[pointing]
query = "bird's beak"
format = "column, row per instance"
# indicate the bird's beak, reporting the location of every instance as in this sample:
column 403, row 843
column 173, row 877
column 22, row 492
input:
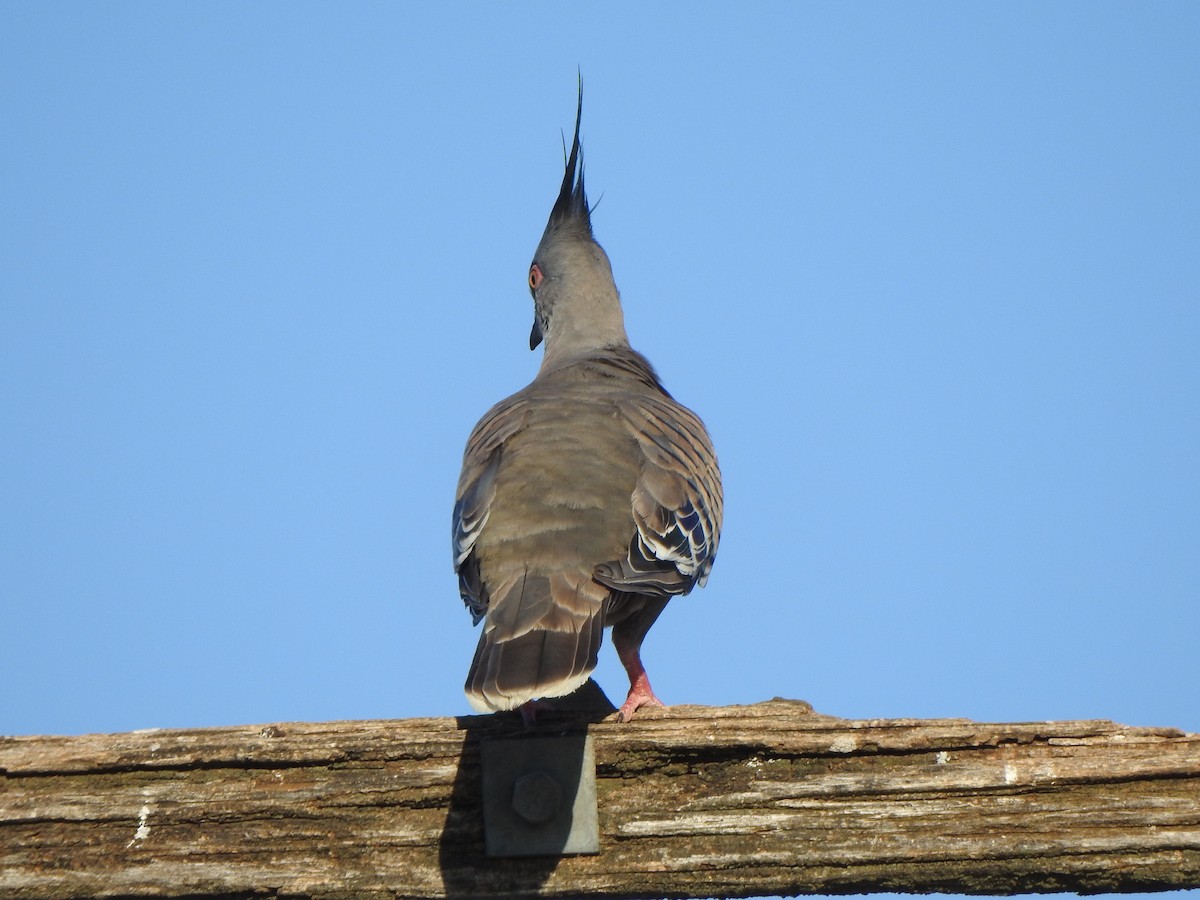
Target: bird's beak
column 535, row 335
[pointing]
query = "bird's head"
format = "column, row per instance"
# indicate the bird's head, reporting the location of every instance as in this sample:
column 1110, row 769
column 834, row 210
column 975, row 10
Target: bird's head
column 576, row 306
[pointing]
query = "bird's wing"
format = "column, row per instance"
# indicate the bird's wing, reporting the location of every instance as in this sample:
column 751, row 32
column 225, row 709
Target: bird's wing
column 676, row 502
column 476, row 489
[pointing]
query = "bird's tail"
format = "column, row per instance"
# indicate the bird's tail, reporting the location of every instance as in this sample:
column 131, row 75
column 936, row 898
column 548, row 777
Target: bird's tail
column 541, row 638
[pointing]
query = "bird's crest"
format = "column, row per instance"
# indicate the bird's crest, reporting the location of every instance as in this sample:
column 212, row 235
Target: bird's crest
column 571, row 212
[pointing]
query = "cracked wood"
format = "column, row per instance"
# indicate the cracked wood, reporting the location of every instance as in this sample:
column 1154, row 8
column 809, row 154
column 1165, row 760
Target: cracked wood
column 692, row 801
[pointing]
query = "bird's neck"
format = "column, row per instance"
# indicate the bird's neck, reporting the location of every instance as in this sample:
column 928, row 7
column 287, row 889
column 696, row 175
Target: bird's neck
column 585, row 327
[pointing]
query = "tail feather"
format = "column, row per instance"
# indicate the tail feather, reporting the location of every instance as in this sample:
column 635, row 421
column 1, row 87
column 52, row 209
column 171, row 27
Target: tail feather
column 541, row 638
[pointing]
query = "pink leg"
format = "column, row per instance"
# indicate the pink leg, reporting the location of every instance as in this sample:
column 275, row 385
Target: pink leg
column 529, row 713
column 640, row 692
column 627, row 638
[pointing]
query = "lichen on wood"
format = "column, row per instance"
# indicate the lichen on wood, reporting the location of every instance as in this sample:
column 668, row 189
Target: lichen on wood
column 754, row 800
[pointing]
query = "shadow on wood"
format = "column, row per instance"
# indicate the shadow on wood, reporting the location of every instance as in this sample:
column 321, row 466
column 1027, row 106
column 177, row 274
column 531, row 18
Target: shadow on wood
column 466, row 869
column 767, row 799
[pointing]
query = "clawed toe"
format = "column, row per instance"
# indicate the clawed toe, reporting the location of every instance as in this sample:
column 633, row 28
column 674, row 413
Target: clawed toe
column 639, row 696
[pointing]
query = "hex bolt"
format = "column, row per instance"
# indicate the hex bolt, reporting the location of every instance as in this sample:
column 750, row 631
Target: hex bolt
column 536, row 797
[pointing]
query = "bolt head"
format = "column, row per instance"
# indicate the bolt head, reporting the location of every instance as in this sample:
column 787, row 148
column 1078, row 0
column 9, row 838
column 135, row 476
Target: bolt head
column 536, row 797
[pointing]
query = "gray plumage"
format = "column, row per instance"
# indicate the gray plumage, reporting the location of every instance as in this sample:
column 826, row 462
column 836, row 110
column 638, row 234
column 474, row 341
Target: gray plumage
column 587, row 499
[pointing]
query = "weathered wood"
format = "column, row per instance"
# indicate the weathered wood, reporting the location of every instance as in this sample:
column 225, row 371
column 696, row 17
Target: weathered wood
column 693, row 802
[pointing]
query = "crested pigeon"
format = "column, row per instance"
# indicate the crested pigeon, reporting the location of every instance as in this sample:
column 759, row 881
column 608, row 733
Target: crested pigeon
column 589, row 498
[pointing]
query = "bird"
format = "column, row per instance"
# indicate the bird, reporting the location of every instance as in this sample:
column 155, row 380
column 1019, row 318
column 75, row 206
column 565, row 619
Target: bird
column 588, row 499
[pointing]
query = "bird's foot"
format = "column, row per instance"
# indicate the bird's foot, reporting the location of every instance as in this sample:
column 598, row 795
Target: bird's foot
column 640, row 694
column 528, row 711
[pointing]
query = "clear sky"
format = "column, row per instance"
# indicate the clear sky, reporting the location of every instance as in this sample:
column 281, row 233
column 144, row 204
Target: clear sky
column 930, row 273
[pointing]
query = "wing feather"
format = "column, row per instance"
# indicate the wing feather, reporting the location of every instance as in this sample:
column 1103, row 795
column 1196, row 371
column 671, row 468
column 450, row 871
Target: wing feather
column 676, row 502
column 476, row 490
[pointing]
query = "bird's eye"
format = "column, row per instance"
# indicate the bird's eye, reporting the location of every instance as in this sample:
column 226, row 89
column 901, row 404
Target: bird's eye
column 535, row 277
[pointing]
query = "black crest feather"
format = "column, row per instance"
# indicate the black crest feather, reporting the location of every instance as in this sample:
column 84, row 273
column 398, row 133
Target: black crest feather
column 571, row 207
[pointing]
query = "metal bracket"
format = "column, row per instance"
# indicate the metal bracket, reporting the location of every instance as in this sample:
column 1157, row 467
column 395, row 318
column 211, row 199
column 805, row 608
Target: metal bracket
column 539, row 796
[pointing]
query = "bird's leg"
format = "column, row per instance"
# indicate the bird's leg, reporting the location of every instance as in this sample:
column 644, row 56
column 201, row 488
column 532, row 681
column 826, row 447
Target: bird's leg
column 640, row 692
column 529, row 713
column 627, row 637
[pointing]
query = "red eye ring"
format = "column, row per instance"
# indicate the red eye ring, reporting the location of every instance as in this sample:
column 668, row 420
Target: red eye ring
column 535, row 277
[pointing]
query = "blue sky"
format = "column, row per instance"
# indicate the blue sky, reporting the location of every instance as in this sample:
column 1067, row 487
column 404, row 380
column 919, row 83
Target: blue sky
column 930, row 273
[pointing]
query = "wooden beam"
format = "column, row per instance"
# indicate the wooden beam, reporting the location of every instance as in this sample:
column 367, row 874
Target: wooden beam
column 693, row 802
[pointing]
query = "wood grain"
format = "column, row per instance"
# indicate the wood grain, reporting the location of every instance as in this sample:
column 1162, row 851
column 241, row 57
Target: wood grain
column 693, row 802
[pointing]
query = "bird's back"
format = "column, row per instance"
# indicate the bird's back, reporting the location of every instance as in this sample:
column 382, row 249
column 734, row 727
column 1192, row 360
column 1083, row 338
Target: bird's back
column 560, row 463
